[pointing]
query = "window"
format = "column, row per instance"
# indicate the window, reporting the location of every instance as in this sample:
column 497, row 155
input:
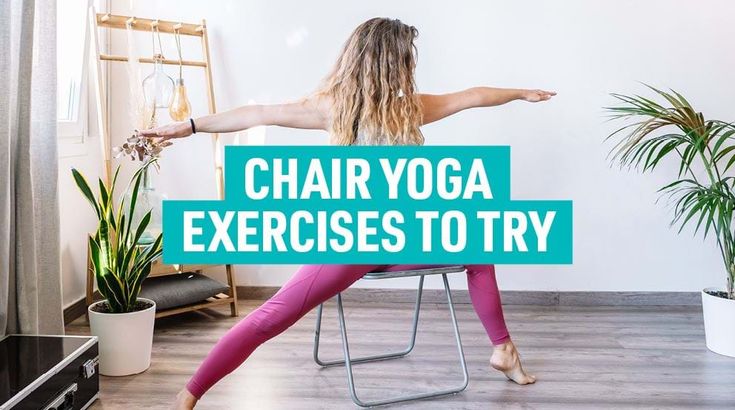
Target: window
column 72, row 44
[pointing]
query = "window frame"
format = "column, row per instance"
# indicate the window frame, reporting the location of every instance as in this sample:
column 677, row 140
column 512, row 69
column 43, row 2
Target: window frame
column 72, row 135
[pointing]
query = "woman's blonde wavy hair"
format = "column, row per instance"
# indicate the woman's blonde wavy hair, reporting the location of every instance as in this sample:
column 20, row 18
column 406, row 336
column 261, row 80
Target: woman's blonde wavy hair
column 372, row 88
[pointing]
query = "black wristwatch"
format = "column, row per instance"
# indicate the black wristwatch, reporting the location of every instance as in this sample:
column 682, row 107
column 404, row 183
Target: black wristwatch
column 193, row 127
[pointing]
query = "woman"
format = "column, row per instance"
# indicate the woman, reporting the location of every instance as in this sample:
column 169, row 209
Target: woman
column 369, row 98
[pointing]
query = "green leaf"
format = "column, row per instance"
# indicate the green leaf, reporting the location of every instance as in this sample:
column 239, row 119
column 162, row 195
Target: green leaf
column 86, row 191
column 151, row 252
column 122, row 244
column 133, row 199
column 137, row 283
column 117, row 300
column 104, row 197
column 721, row 154
column 141, row 227
column 114, row 182
column 94, row 253
column 130, row 255
column 729, row 163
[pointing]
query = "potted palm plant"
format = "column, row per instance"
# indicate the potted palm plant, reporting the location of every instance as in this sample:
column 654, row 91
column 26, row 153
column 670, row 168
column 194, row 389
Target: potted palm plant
column 702, row 193
column 122, row 321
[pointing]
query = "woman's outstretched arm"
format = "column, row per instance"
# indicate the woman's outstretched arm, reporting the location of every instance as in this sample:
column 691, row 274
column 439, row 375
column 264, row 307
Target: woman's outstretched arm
column 305, row 114
column 440, row 106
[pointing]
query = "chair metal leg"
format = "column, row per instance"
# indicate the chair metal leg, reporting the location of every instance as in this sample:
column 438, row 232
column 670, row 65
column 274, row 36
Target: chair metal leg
column 457, row 337
column 371, row 358
column 348, row 361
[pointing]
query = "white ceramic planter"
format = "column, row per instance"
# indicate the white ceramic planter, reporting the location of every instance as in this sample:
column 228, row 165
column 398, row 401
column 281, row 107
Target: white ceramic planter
column 719, row 323
column 125, row 339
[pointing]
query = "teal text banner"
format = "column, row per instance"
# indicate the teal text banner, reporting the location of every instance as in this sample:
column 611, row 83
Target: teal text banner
column 367, row 205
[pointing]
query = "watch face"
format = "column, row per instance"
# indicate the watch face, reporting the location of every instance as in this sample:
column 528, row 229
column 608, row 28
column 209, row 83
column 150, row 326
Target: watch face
column 24, row 359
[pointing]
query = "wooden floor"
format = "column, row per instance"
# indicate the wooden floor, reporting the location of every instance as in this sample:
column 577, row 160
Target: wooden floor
column 584, row 357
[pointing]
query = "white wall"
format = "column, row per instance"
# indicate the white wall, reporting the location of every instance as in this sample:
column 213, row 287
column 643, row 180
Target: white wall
column 77, row 218
column 273, row 51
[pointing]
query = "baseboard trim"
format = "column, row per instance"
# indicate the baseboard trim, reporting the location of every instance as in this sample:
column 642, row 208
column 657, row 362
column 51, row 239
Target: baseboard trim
column 75, row 310
column 461, row 296
column 79, row 308
column 510, row 297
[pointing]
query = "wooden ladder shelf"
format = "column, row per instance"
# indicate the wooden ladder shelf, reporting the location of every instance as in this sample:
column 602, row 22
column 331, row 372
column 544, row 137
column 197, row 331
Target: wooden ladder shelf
column 110, row 21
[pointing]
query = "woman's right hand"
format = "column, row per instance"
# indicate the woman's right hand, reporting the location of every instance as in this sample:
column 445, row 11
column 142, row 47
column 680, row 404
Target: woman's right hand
column 181, row 129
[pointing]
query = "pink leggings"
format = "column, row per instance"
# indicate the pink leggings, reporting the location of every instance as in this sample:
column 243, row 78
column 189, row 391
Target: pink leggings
column 312, row 285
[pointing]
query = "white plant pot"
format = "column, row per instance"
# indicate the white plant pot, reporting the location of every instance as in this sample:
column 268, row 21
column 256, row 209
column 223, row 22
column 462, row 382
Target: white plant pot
column 125, row 339
column 719, row 323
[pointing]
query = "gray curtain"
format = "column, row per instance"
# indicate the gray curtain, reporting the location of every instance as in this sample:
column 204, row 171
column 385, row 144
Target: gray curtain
column 30, row 282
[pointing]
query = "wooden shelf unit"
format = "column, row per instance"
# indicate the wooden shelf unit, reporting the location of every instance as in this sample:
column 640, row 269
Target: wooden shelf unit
column 110, row 21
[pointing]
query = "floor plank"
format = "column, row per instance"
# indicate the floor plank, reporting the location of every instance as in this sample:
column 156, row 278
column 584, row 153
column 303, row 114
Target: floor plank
column 585, row 358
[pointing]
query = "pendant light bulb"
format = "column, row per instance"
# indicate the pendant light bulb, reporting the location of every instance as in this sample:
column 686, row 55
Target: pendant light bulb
column 180, row 108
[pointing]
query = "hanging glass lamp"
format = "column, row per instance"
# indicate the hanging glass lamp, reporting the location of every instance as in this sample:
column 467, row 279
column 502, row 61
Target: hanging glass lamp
column 158, row 87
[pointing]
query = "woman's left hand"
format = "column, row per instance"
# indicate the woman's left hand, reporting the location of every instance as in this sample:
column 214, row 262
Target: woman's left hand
column 181, row 129
column 536, row 95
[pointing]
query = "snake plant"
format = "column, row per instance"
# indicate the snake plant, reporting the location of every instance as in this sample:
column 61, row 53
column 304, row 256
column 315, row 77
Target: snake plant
column 704, row 151
column 120, row 263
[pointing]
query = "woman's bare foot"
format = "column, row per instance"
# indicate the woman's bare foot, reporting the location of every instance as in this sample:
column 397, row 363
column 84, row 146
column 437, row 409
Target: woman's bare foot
column 506, row 359
column 184, row 401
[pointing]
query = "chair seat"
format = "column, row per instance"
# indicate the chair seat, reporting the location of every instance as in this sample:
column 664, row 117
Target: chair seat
column 415, row 272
